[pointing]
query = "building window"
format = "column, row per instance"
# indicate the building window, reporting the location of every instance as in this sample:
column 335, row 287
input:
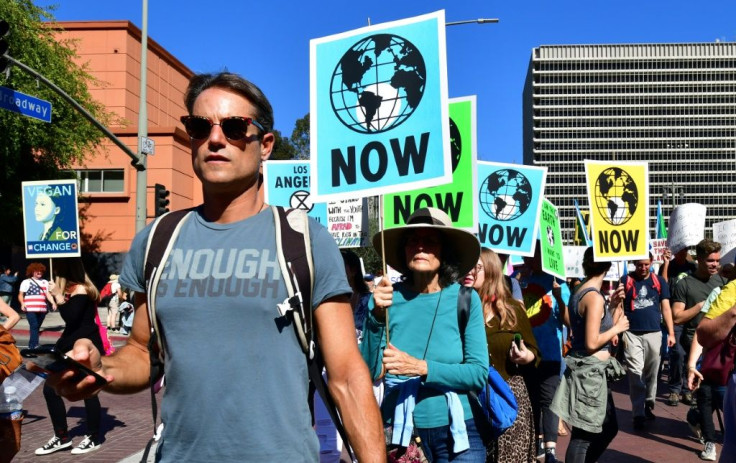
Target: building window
column 101, row 181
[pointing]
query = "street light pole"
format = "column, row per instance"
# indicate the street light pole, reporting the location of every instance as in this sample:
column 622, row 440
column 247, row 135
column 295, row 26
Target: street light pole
column 473, row 21
column 141, row 188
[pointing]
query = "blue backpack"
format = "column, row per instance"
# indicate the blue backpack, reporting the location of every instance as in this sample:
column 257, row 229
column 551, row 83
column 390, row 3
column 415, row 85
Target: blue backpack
column 497, row 400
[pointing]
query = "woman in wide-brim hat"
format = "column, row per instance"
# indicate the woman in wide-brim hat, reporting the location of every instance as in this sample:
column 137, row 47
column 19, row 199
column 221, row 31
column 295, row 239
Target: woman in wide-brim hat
column 432, row 362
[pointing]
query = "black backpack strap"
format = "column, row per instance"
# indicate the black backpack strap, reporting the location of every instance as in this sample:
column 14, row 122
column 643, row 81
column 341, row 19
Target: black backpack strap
column 295, row 258
column 463, row 309
column 160, row 241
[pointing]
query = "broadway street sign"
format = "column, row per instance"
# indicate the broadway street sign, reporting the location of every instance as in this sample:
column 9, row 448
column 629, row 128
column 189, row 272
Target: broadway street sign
column 26, row 105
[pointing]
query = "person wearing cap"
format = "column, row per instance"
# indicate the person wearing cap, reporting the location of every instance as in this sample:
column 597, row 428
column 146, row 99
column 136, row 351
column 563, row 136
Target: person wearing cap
column 430, row 362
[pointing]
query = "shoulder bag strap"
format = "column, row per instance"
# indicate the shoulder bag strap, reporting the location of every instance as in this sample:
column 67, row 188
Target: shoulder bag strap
column 160, row 242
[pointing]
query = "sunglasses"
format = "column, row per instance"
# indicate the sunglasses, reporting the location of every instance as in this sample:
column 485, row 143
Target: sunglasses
column 234, row 127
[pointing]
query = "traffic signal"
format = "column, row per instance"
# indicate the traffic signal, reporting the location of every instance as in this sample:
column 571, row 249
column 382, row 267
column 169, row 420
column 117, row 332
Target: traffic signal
column 161, row 195
column 4, row 45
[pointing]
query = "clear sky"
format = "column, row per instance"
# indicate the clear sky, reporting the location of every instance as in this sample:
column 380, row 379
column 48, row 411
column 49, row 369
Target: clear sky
column 268, row 42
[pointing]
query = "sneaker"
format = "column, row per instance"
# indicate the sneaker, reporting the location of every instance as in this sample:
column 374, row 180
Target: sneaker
column 688, row 399
column 673, row 399
column 87, row 445
column 648, row 413
column 709, row 452
column 54, row 445
column 549, row 457
column 540, row 449
column 639, row 422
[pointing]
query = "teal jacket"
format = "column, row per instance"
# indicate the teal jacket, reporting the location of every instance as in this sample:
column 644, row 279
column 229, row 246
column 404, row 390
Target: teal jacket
column 451, row 363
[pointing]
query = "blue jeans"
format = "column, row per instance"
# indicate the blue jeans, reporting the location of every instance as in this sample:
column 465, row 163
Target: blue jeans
column 35, row 320
column 677, row 375
column 437, row 445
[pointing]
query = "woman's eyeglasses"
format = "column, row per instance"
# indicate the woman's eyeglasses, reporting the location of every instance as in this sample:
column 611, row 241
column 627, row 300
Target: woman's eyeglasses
column 234, row 127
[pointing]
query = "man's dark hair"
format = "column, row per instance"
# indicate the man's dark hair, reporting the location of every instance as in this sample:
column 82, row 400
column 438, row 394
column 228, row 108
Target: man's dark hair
column 707, row 247
column 236, row 84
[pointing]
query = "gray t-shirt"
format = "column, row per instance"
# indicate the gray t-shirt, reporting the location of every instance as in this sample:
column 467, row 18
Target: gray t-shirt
column 236, row 378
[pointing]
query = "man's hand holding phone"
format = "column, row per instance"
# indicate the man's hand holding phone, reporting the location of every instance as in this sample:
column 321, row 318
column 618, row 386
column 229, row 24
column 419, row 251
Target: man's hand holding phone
column 76, row 375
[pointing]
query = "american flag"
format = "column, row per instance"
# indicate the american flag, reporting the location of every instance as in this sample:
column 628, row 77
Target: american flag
column 35, row 297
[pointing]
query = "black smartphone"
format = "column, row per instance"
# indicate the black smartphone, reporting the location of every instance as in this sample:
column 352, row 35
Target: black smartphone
column 517, row 340
column 54, row 361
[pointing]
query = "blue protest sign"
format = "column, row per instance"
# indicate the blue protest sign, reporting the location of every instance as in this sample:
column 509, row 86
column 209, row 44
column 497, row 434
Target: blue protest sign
column 26, row 105
column 50, row 218
column 379, row 109
column 509, row 196
column 287, row 184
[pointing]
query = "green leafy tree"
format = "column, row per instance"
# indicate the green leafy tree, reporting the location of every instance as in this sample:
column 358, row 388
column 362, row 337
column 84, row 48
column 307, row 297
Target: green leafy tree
column 282, row 149
column 32, row 149
column 300, row 138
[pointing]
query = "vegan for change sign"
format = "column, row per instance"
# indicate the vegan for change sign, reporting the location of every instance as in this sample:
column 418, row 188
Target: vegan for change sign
column 509, row 197
column 50, row 218
column 378, row 105
column 457, row 199
column 550, row 238
column 618, row 194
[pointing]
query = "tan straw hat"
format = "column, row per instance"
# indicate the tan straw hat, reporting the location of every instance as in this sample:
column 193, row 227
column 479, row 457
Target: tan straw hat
column 464, row 245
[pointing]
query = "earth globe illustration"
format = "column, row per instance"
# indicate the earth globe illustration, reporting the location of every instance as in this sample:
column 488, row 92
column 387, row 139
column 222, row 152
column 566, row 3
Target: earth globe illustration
column 616, row 196
column 456, row 144
column 505, row 194
column 378, row 83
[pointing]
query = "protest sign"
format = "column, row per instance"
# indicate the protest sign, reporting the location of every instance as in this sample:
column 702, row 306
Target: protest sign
column 287, row 184
column 658, row 247
column 725, row 233
column 574, row 261
column 618, row 194
column 550, row 238
column 50, row 218
column 509, row 196
column 347, row 221
column 686, row 227
column 379, row 109
column 617, row 270
column 457, row 199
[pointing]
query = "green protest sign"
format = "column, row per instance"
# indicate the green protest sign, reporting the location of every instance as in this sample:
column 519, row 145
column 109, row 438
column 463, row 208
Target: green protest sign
column 456, row 198
column 550, row 237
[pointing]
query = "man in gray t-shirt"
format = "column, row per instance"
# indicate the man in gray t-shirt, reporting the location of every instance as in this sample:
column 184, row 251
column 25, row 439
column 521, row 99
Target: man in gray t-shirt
column 236, row 377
